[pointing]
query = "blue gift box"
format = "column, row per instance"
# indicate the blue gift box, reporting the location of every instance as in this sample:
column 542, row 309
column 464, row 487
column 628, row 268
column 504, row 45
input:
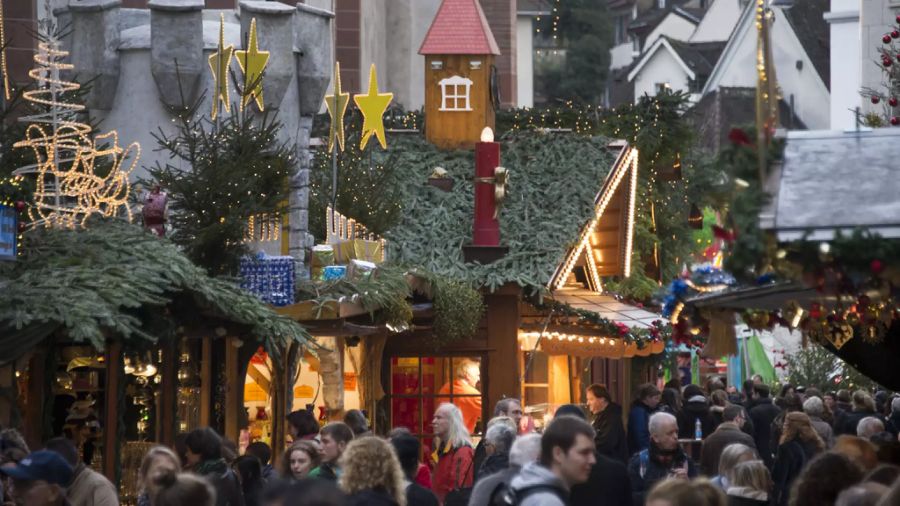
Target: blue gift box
column 332, row 272
column 271, row 278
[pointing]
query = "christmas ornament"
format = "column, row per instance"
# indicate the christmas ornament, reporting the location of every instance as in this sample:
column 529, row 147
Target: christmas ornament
column 20, row 206
column 895, row 34
column 886, row 39
column 875, row 99
column 876, row 266
column 154, row 211
column 337, row 107
column 886, row 62
column 253, row 63
column 372, row 106
column 892, row 101
column 895, row 120
column 218, row 65
column 897, row 19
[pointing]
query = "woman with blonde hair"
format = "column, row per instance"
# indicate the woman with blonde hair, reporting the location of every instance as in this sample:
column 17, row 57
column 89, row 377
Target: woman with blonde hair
column 299, row 459
column 798, row 445
column 159, row 459
column 372, row 474
column 732, row 455
column 750, row 484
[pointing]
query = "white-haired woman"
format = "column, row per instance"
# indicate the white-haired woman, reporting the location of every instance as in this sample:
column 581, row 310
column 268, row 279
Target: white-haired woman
column 453, row 469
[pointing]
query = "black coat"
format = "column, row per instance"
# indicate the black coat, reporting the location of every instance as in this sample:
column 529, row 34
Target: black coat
column 734, row 500
column 696, row 408
column 643, row 478
column 371, row 498
column 418, row 495
column 726, row 434
column 847, row 424
column 608, row 480
column 791, row 458
column 763, row 414
column 610, row 433
column 492, row 464
column 893, row 424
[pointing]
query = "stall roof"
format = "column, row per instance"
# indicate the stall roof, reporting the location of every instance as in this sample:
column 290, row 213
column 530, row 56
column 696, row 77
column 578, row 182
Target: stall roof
column 606, row 306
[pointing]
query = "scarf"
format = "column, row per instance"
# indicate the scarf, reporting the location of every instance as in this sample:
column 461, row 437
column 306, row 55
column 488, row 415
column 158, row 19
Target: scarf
column 667, row 458
column 212, row 466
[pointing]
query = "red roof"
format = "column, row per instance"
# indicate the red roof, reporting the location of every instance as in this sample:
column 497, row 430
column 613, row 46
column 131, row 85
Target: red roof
column 459, row 27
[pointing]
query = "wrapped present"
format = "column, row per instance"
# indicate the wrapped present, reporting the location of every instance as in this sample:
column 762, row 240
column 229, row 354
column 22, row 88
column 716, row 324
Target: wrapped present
column 358, row 249
column 333, row 272
column 360, row 269
column 322, row 256
column 271, row 278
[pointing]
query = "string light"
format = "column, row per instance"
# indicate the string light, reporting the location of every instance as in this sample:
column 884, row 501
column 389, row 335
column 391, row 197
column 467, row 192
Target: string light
column 3, row 54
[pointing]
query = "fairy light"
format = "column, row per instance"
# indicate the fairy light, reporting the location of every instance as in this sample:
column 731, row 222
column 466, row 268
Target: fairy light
column 3, row 54
column 676, row 313
column 629, row 231
column 705, row 288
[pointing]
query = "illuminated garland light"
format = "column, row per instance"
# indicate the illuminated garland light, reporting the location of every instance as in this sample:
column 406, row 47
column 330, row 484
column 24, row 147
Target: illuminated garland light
column 3, row 69
column 629, row 231
column 705, row 289
column 558, row 336
column 269, row 226
column 67, row 189
column 676, row 313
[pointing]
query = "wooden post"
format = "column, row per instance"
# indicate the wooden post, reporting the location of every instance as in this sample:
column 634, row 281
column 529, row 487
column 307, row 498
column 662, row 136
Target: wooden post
column 168, row 399
column 232, row 383
column 111, row 411
column 34, row 408
column 7, row 402
column 206, row 381
column 504, row 373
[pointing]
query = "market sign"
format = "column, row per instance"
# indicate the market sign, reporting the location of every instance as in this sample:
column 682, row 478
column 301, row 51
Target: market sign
column 8, row 232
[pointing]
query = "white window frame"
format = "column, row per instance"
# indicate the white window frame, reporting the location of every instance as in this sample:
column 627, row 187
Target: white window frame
column 450, row 94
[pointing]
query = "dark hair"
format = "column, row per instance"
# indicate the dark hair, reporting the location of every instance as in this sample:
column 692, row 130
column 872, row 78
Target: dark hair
column 407, row 447
column 570, row 410
column 886, row 474
column 785, row 389
column 646, row 391
column 204, row 442
column 304, row 423
column 357, row 422
column 823, row 479
column 503, row 405
column 674, row 383
column 761, row 390
column 561, row 433
column 65, row 448
column 250, row 471
column 313, row 492
column 731, row 412
column 691, row 391
column 671, row 398
column 600, row 391
column 183, row 489
column 791, row 402
column 748, row 387
column 813, row 392
column 843, row 395
column 339, row 431
column 180, row 448
column 260, row 450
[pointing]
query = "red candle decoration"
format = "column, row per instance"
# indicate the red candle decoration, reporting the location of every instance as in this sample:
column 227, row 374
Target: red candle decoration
column 486, row 228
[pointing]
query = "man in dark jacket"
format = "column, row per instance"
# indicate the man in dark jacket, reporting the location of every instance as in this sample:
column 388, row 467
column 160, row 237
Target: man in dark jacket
column 763, row 414
column 842, row 406
column 695, row 407
column 607, row 423
column 893, row 422
column 663, row 459
column 497, row 442
column 639, row 417
column 863, row 406
column 728, row 433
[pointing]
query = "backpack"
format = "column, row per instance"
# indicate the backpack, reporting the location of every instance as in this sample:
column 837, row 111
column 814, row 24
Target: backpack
column 503, row 495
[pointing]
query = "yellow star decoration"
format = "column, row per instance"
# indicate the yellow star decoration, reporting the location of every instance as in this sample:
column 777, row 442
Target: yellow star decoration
column 218, row 64
column 337, row 107
column 372, row 107
column 252, row 62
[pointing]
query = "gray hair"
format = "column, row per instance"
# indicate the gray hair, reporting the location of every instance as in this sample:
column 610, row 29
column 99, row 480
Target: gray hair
column 501, row 436
column 869, row 426
column 733, row 455
column 895, row 405
column 503, row 406
column 525, row 450
column 458, row 434
column 657, row 420
column 503, row 420
column 814, row 407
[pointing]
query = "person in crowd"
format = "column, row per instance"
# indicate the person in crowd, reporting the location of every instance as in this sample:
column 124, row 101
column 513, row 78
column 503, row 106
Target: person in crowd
column 180, row 449
column 663, row 459
column 275, row 491
column 608, row 478
column 892, row 424
column 157, row 460
column 815, row 410
column 728, row 433
column 423, row 473
column 248, row 470
column 467, row 376
column 12, row 450
column 38, row 479
column 863, row 406
column 842, row 406
column 371, row 474
column 882, row 406
column 798, row 445
column 407, row 448
column 263, row 453
column 335, row 438
column 670, row 401
column 88, row 487
column 498, row 441
column 763, row 414
column 481, row 450
column 183, row 489
column 204, row 456
column 868, row 427
column 674, row 492
column 747, row 395
column 892, row 497
column 356, row 420
column 827, row 416
column 864, row 494
column 302, row 457
column 718, row 400
column 823, row 479
column 610, row 436
column 886, row 474
column 860, row 451
column 453, row 469
column 887, row 448
column 639, row 417
column 712, row 495
column 789, row 403
column 732, row 455
column 302, row 424
column 512, row 408
column 786, row 390
column 695, row 407
column 567, row 455
column 490, row 490
column 750, row 484
column 314, row 493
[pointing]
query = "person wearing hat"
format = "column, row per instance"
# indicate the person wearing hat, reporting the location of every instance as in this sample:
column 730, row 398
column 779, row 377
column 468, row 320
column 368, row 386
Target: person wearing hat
column 40, row 479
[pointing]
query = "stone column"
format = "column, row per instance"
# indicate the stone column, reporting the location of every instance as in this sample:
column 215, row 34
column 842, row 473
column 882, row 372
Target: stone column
column 275, row 35
column 176, row 54
column 95, row 49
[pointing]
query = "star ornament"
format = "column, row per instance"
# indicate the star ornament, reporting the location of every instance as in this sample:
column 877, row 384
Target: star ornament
column 337, row 107
column 252, row 62
column 218, row 64
column 372, row 106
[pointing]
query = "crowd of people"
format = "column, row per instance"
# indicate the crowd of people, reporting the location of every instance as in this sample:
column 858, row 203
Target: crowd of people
column 691, row 446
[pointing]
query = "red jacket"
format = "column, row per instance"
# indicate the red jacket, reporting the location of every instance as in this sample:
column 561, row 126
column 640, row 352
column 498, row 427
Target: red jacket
column 453, row 470
column 423, row 476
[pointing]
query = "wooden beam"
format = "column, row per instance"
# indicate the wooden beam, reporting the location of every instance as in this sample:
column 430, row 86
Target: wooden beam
column 168, row 400
column 503, row 378
column 232, row 384
column 34, row 408
column 260, row 378
column 206, row 381
column 111, row 411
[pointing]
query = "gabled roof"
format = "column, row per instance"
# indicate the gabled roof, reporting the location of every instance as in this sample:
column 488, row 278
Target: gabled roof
column 808, row 20
column 459, row 27
column 697, row 59
column 646, row 22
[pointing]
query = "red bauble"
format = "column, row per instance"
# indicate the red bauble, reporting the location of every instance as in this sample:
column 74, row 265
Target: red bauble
column 895, row 34
column 876, row 266
column 20, row 205
column 886, row 62
column 898, row 19
column 886, row 39
column 895, row 120
column 875, row 99
column 892, row 101
column 898, row 56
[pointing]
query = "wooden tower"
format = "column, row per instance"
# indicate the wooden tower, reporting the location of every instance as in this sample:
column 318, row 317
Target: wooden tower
column 460, row 80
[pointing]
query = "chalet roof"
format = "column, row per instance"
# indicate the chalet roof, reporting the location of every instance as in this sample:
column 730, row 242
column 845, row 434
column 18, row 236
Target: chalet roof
column 647, row 21
column 534, row 8
column 697, row 58
column 809, row 24
column 832, row 181
column 459, row 27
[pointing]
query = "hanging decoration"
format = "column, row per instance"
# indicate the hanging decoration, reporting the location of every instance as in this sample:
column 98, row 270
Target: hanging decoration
column 695, row 219
column 766, row 84
column 218, row 65
column 888, row 98
column 3, row 69
column 336, row 104
column 253, row 63
column 372, row 106
column 69, row 187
